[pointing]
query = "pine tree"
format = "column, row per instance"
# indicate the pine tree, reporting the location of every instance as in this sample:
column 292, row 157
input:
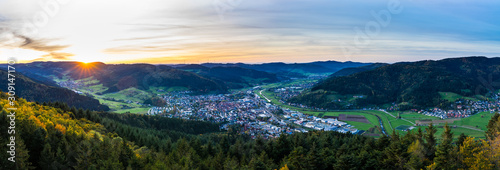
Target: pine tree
column 22, row 155
column 47, row 159
column 445, row 158
column 430, row 145
column 417, row 155
column 126, row 154
column 461, row 139
column 493, row 127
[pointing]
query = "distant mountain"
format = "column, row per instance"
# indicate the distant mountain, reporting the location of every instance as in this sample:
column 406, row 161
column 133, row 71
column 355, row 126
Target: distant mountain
column 123, row 76
column 283, row 70
column 192, row 67
column 142, row 76
column 352, row 70
column 33, row 90
column 237, row 77
column 233, row 76
column 416, row 83
column 336, row 65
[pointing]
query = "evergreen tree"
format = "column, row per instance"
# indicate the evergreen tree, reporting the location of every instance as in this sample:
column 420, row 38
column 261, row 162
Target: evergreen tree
column 47, row 160
column 493, row 127
column 445, row 152
column 417, row 156
column 461, row 139
column 430, row 145
column 22, row 155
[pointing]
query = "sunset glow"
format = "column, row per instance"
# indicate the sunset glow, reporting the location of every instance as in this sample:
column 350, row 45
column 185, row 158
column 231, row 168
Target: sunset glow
column 200, row 31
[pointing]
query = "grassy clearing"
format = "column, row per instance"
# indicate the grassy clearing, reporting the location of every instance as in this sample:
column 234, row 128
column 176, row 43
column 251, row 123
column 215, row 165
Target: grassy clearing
column 371, row 118
column 88, row 81
column 131, row 94
column 359, row 125
column 95, row 89
column 479, row 121
column 398, row 122
column 450, row 96
column 127, row 97
column 134, row 110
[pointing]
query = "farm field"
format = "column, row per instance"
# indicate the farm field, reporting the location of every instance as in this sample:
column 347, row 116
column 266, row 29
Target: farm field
column 478, row 121
column 115, row 101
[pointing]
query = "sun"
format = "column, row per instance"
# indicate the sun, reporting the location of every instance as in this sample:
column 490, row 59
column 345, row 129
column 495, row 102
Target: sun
column 86, row 69
column 86, row 61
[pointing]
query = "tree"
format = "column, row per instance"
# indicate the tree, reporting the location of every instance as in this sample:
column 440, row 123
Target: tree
column 22, row 156
column 445, row 158
column 296, row 158
column 396, row 153
column 476, row 154
column 48, row 157
column 493, row 127
column 461, row 139
column 430, row 146
column 417, row 155
column 284, row 167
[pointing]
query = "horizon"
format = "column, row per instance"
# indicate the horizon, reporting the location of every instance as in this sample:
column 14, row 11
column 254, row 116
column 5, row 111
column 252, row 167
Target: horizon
column 232, row 31
column 254, row 63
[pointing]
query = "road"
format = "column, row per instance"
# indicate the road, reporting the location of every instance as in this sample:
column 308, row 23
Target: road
column 471, row 128
column 260, row 92
column 396, row 118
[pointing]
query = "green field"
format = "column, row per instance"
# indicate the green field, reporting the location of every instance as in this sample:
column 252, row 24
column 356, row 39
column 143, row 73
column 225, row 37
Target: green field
column 141, row 110
column 115, row 101
column 359, row 125
column 130, row 94
column 478, row 121
column 450, row 96
column 402, row 127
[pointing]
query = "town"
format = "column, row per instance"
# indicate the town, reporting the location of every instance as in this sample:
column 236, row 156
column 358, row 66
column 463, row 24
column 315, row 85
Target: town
column 246, row 110
column 463, row 108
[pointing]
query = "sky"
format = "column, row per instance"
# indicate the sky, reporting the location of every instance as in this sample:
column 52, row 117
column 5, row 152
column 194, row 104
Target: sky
column 249, row 31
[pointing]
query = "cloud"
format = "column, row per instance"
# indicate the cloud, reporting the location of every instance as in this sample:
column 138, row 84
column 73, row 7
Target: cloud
column 257, row 30
column 40, row 44
column 58, row 55
column 11, row 39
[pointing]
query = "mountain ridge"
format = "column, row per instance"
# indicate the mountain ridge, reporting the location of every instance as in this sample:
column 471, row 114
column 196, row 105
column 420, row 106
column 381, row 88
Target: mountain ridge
column 417, row 83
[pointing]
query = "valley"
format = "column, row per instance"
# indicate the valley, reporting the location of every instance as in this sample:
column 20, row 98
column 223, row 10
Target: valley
column 256, row 103
column 212, row 112
column 260, row 100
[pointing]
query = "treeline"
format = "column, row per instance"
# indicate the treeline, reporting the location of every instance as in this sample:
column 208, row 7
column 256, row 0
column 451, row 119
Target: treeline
column 54, row 136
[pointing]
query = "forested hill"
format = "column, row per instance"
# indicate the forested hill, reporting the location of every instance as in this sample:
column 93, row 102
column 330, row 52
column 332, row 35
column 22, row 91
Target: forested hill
column 354, row 70
column 417, row 83
column 143, row 76
column 33, row 90
column 57, row 137
column 123, row 76
column 233, row 77
column 285, row 70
